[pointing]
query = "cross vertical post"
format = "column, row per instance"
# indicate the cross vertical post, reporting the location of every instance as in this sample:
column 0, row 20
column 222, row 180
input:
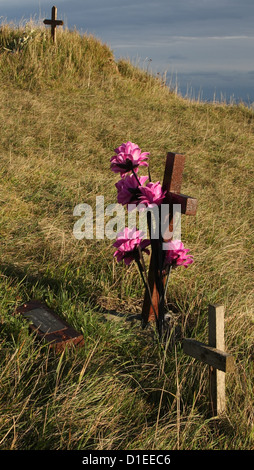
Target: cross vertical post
column 216, row 376
column 54, row 23
column 214, row 355
column 172, row 184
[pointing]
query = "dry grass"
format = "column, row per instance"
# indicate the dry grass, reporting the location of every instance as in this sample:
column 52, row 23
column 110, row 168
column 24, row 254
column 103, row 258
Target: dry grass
column 63, row 111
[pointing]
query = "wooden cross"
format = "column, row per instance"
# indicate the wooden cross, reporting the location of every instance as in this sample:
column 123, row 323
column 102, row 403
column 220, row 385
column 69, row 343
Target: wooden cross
column 54, row 23
column 214, row 355
column 172, row 184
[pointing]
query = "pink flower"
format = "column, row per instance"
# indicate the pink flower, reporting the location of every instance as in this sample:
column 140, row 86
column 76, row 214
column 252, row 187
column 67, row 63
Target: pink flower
column 127, row 245
column 176, row 254
column 126, row 148
column 152, row 194
column 128, row 157
column 128, row 189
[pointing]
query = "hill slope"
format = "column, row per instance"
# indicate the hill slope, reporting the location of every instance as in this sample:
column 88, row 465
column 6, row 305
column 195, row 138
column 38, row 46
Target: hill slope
column 63, row 111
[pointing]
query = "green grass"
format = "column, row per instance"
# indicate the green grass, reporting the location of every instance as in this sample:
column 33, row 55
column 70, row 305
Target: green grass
column 64, row 108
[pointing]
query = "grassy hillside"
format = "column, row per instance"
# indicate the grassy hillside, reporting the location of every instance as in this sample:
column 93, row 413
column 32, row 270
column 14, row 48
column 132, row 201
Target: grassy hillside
column 64, row 108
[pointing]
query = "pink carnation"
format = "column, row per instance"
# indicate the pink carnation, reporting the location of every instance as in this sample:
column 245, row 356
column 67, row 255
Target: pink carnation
column 127, row 245
column 176, row 254
column 152, row 194
column 126, row 148
column 128, row 189
column 128, row 158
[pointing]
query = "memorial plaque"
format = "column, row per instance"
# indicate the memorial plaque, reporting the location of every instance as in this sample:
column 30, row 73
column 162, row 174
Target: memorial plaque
column 49, row 326
column 44, row 321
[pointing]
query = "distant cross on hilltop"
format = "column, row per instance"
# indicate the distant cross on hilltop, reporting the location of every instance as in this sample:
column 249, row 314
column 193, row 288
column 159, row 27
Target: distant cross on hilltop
column 54, row 23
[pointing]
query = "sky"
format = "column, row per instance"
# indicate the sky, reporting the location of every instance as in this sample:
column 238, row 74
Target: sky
column 207, row 46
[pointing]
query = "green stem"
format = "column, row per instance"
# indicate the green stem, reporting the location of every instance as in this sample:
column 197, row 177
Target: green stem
column 136, row 177
column 167, row 281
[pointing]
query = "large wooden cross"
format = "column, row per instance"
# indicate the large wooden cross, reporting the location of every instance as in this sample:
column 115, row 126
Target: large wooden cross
column 54, row 23
column 214, row 355
column 172, row 184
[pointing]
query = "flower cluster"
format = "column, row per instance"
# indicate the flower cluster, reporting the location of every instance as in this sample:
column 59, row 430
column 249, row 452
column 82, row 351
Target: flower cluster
column 134, row 189
column 127, row 245
column 176, row 254
column 151, row 194
column 131, row 188
column 128, row 158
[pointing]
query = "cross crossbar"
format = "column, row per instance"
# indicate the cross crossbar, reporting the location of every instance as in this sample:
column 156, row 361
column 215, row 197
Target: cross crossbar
column 211, row 356
column 54, row 22
column 188, row 204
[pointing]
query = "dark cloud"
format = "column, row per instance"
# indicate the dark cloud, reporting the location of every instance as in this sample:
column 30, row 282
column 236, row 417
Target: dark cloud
column 177, row 57
column 144, row 17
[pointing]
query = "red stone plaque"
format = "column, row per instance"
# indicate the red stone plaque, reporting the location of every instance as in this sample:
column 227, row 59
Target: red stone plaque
column 49, row 326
